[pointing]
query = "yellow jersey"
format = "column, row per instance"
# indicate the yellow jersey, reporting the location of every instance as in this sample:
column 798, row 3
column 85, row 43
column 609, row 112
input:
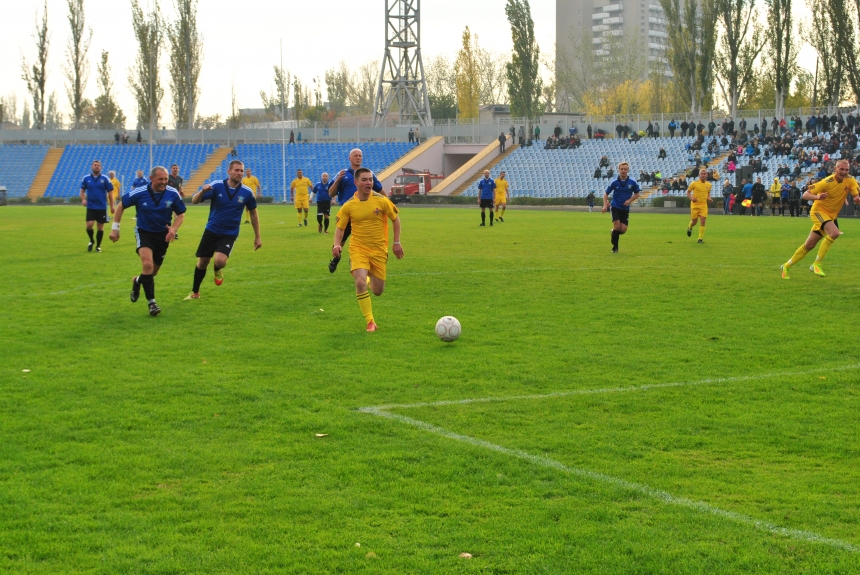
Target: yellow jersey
column 502, row 188
column 252, row 183
column 701, row 191
column 836, row 194
column 117, row 189
column 369, row 220
column 302, row 187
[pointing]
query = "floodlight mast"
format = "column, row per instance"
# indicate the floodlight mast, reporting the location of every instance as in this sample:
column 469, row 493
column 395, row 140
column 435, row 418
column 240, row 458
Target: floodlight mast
column 401, row 77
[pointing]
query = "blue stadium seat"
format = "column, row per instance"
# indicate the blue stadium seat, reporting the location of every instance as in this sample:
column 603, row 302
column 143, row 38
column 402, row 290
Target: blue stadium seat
column 19, row 165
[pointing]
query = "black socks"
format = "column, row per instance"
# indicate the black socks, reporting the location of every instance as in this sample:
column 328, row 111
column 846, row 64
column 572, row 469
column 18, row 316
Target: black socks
column 148, row 283
column 90, row 233
column 99, row 235
column 615, row 236
column 198, row 278
column 326, row 225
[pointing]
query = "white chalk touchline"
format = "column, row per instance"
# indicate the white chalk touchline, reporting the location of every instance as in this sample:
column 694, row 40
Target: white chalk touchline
column 610, row 389
column 658, row 494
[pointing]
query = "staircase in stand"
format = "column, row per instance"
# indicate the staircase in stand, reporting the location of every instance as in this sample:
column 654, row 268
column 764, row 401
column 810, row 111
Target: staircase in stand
column 45, row 173
column 480, row 173
column 205, row 170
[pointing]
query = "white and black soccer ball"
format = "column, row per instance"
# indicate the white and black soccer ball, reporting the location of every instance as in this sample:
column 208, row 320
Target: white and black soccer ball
column 448, row 328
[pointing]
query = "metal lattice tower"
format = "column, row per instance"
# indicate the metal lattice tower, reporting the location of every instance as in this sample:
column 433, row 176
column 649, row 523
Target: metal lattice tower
column 402, row 89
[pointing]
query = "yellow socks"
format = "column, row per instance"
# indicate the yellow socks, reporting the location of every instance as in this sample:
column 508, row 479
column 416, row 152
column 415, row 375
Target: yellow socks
column 692, row 223
column 503, row 209
column 300, row 216
column 823, row 248
column 798, row 255
column 365, row 305
column 701, row 232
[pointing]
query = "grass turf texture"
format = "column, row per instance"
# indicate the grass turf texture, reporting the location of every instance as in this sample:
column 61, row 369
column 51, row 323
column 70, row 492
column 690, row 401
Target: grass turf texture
column 187, row 442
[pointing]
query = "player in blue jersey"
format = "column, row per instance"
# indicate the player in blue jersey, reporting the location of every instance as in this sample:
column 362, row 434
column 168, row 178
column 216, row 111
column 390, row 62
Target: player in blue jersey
column 344, row 188
column 624, row 191
column 155, row 204
column 139, row 181
column 95, row 196
column 323, row 200
column 229, row 199
column 486, row 194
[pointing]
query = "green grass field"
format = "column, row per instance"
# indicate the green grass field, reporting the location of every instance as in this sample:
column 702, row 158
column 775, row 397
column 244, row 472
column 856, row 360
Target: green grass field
column 674, row 408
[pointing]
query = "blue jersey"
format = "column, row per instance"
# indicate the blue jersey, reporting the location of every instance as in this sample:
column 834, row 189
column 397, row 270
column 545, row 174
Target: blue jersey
column 621, row 192
column 321, row 190
column 487, row 189
column 139, row 183
column 748, row 191
column 97, row 188
column 154, row 211
column 346, row 187
column 228, row 204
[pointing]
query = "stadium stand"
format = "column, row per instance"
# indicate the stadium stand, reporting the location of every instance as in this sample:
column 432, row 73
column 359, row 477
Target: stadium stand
column 313, row 159
column 19, row 165
column 125, row 161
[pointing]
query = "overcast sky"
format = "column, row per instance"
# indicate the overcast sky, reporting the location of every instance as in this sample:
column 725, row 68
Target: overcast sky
column 241, row 41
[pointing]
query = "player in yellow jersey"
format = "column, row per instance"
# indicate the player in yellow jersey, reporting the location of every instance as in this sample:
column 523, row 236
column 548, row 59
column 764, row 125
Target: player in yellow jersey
column 699, row 193
column 116, row 193
column 300, row 188
column 253, row 183
column 503, row 195
column 828, row 196
column 368, row 213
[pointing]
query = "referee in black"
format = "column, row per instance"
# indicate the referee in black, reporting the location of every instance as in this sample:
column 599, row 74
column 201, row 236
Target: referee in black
column 156, row 203
column 323, row 201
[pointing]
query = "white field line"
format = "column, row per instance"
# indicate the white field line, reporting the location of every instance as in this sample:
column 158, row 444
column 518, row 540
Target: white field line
column 701, row 507
column 643, row 489
column 709, row 381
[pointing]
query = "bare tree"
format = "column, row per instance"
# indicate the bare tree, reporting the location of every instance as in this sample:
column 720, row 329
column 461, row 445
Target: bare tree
column 492, row 84
column 741, row 42
column 143, row 76
column 783, row 50
column 441, row 88
column 36, row 76
column 364, row 82
column 9, row 108
column 107, row 111
column 186, row 60
column 53, row 116
column 820, row 36
column 691, row 27
column 276, row 104
column 338, row 83
column 77, row 69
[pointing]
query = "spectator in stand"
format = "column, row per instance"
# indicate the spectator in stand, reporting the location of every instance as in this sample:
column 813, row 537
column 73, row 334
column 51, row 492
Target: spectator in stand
column 522, row 135
column 728, row 193
column 502, row 140
column 557, row 130
column 672, row 126
column 711, row 127
column 116, row 138
column 411, row 136
column 684, row 126
column 700, row 129
column 604, row 162
column 661, row 155
column 730, row 167
column 588, row 131
column 537, row 132
column 139, row 137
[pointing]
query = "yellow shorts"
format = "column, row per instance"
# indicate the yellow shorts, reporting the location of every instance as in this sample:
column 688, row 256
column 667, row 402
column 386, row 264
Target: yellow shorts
column 818, row 221
column 500, row 200
column 302, row 202
column 375, row 263
column 698, row 212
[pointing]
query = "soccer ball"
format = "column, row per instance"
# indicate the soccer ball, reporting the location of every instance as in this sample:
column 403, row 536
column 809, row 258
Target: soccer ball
column 448, row 328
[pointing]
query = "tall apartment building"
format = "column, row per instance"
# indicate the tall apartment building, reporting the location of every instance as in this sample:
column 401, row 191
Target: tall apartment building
column 608, row 19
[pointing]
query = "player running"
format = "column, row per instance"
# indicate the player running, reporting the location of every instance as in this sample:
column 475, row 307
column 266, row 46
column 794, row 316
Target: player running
column 368, row 214
column 229, row 199
column 155, row 204
column 253, row 183
column 344, row 188
column 117, row 190
column 300, row 188
column 699, row 194
column 503, row 195
column 95, row 197
column 829, row 195
column 486, row 195
column 624, row 192
column 323, row 201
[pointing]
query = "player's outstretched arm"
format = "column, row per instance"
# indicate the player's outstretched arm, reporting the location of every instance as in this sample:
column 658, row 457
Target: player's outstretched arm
column 255, row 223
column 117, row 218
column 332, row 189
column 398, row 249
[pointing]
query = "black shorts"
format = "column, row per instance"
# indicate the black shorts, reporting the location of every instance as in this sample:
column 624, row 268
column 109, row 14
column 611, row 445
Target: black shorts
column 98, row 216
column 212, row 242
column 486, row 204
column 620, row 215
column 154, row 241
column 324, row 208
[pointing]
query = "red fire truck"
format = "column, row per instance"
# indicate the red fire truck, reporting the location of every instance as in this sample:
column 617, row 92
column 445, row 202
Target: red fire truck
column 414, row 182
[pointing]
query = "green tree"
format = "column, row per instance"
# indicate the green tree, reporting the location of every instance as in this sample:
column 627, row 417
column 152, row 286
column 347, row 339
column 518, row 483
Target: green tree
column 143, row 76
column 783, row 50
column 831, row 69
column 524, row 83
column 741, row 41
column 36, row 76
column 844, row 16
column 276, row 104
column 186, row 60
column 467, row 76
column 441, row 88
column 77, row 68
column 338, row 83
column 691, row 27
column 107, row 111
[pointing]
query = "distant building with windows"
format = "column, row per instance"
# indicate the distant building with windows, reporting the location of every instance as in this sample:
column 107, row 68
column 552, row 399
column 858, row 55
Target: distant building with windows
column 606, row 20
